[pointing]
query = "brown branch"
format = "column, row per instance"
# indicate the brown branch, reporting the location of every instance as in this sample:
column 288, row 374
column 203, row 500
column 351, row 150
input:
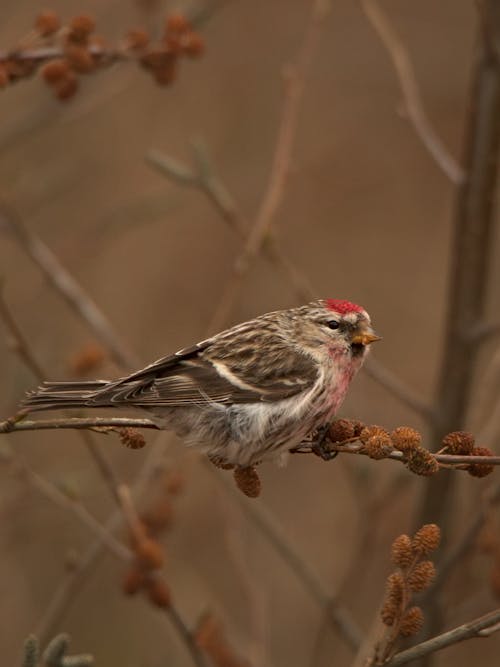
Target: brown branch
column 396, row 455
column 466, row 543
column 121, row 493
column 65, row 593
column 472, row 243
column 411, row 94
column 394, row 386
column 63, row 501
column 18, row 342
column 118, row 549
column 338, row 617
column 65, row 285
column 97, row 423
column 106, row 56
column 483, row 626
column 296, row 76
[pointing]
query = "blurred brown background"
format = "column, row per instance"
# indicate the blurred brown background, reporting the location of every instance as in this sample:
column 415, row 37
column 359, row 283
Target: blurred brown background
column 366, row 216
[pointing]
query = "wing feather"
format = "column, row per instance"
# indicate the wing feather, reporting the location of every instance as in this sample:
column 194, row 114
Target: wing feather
column 250, row 365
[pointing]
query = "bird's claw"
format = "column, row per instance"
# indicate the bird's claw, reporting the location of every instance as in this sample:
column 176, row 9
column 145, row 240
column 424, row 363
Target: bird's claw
column 320, row 447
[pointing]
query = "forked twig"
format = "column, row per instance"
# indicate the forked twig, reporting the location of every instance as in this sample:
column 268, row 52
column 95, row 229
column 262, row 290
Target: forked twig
column 411, row 94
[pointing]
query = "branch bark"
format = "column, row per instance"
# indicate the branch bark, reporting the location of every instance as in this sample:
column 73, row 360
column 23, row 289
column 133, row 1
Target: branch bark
column 469, row 271
column 480, row 627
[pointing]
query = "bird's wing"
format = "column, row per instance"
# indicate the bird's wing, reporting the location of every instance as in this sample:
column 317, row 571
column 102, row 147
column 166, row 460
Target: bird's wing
column 241, row 368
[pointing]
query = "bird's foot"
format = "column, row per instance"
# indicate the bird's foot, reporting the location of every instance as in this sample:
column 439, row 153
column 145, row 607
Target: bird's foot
column 320, row 446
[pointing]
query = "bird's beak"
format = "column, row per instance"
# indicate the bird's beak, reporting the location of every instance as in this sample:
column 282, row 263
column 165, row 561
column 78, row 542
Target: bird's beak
column 365, row 337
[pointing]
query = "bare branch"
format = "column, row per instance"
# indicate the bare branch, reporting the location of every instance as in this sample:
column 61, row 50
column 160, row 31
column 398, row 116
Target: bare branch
column 480, row 627
column 18, row 342
column 296, row 76
column 469, row 273
column 394, row 386
column 97, row 423
column 445, row 459
column 411, row 94
column 64, row 283
column 334, row 612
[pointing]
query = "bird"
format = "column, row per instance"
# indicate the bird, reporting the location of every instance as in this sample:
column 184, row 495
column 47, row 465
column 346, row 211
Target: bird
column 248, row 394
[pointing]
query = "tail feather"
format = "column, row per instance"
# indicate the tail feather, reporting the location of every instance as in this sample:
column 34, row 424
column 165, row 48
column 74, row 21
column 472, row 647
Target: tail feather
column 60, row 395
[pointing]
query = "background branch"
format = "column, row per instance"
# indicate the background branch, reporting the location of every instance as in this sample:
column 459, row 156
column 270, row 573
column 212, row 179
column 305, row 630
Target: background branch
column 468, row 280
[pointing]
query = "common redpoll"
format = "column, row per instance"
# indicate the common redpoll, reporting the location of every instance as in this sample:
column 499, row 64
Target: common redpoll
column 247, row 394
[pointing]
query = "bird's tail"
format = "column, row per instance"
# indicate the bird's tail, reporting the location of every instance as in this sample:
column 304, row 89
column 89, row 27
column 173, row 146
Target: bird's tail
column 60, row 395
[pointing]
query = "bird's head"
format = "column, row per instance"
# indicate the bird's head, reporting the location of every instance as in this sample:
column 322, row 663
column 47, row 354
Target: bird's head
column 342, row 327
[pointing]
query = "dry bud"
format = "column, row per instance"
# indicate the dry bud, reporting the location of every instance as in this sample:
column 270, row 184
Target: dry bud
column 341, row 430
column 80, row 58
column 133, row 580
column 157, row 59
column 421, row 462
column 166, row 75
column 389, row 611
column 17, row 68
column 158, row 592
column 426, row 540
column 495, row 578
column 150, row 554
column 193, row 44
column 4, row 76
column 137, row 39
column 209, row 636
column 55, row 71
column 91, row 355
column 412, row 622
column 369, row 431
column 177, row 23
column 158, row 517
column 406, row 439
column 47, row 23
column 488, row 540
column 248, row 481
column 480, row 469
column 80, row 28
column 131, row 438
column 175, row 483
column 378, row 446
column 401, row 553
column 357, row 426
column 422, row 576
column 66, row 88
column 459, row 442
column 395, row 587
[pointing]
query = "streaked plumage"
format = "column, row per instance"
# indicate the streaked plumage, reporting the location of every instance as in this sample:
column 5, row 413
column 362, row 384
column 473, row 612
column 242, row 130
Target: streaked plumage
column 246, row 394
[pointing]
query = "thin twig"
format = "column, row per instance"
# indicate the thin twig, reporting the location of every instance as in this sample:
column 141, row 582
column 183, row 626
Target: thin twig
column 296, row 77
column 114, row 546
column 396, row 455
column 18, row 341
column 122, row 495
column 394, row 386
column 65, row 593
column 483, row 626
column 205, row 179
column 65, row 285
column 62, row 500
column 473, row 233
column 336, row 614
column 109, row 423
column 468, row 540
column 411, row 94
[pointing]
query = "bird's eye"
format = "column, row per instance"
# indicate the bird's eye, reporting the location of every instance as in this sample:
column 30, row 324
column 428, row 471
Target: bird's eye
column 333, row 324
